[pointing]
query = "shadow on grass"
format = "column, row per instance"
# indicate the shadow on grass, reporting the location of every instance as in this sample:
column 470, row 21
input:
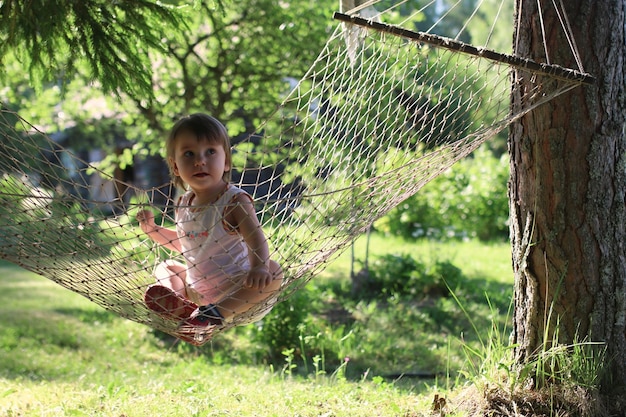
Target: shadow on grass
column 44, row 344
column 42, row 326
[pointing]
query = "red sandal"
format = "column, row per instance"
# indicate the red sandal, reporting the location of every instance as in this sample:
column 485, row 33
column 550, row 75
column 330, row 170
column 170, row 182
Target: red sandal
column 167, row 303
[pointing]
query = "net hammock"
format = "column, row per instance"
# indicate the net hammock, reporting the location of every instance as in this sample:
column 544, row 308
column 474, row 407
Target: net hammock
column 383, row 110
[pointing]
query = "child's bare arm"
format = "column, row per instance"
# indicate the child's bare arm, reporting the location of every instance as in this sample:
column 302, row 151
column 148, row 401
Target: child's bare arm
column 161, row 235
column 243, row 216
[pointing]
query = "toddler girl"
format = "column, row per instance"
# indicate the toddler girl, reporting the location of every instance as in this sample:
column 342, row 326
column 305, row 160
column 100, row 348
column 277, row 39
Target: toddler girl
column 227, row 268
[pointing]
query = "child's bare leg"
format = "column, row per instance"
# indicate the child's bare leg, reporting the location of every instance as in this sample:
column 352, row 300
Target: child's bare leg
column 246, row 298
column 171, row 274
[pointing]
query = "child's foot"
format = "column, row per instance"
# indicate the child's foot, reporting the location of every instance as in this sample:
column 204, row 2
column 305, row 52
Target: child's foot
column 167, row 303
column 198, row 328
column 205, row 316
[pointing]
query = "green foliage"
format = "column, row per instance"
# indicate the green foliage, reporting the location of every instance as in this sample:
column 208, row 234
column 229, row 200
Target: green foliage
column 52, row 39
column 240, row 62
column 233, row 62
column 467, row 201
column 281, row 329
column 401, row 275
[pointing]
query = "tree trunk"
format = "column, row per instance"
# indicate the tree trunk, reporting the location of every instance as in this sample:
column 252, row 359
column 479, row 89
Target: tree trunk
column 568, row 185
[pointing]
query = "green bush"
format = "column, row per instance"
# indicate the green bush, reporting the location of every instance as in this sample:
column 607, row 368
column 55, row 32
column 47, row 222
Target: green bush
column 400, row 275
column 468, row 201
column 281, row 329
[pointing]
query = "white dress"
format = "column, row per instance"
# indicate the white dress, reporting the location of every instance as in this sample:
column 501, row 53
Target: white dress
column 215, row 253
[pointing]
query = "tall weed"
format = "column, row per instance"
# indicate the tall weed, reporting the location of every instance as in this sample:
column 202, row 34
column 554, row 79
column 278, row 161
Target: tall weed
column 559, row 376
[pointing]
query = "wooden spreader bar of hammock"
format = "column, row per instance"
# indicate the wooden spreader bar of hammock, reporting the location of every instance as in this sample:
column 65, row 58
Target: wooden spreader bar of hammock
column 454, row 45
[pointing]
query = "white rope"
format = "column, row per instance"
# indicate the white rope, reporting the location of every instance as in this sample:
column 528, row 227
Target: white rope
column 567, row 29
column 543, row 32
column 469, row 19
column 492, row 27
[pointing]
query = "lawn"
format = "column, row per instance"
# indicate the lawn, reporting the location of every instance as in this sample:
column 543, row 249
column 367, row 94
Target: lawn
column 61, row 355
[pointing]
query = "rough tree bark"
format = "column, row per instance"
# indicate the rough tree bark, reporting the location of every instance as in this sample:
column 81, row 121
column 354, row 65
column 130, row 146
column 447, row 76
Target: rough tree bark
column 568, row 185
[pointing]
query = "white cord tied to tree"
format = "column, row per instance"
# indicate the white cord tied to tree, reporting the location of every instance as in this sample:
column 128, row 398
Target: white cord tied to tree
column 381, row 112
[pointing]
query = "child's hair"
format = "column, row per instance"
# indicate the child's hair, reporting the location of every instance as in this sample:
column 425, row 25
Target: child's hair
column 202, row 126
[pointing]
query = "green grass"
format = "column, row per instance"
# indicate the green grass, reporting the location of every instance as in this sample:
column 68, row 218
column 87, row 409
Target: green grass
column 425, row 336
column 61, row 355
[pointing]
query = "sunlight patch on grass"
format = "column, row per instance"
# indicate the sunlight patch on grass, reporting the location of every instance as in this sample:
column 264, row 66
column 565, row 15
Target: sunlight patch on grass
column 472, row 256
column 201, row 389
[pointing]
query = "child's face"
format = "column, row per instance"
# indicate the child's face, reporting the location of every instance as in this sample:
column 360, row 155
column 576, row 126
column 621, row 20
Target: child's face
column 200, row 163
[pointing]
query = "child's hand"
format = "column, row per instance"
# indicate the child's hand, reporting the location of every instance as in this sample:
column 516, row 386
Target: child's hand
column 146, row 221
column 259, row 277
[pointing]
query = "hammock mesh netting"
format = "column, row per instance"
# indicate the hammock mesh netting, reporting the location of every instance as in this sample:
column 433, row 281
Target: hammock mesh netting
column 382, row 111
